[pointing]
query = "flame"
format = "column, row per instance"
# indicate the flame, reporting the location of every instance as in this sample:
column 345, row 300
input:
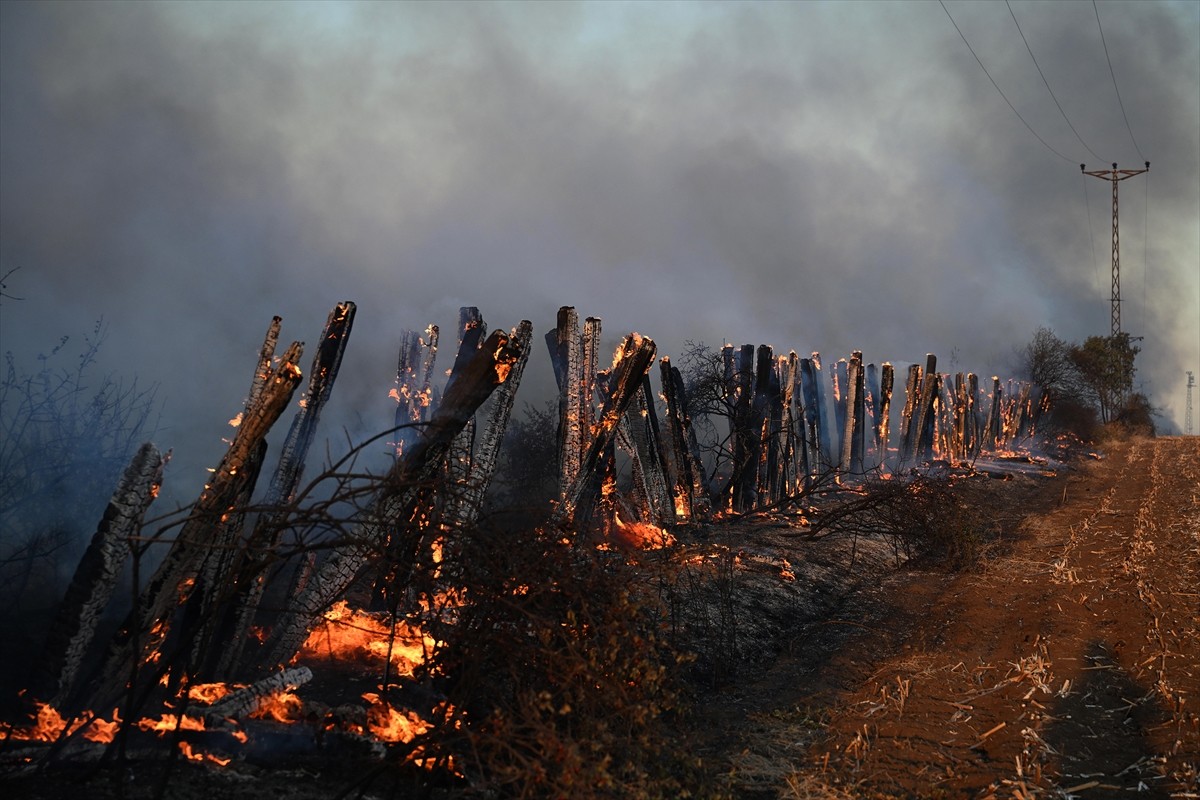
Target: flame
column 208, row 693
column 236, row 421
column 198, row 755
column 282, row 706
column 389, row 724
column 49, row 726
column 170, row 722
column 351, row 634
column 642, row 535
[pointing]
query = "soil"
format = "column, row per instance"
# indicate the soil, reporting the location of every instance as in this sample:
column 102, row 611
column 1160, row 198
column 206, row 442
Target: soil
column 1066, row 663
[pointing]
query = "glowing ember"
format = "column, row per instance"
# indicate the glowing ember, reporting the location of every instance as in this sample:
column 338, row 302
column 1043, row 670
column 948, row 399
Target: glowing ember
column 170, row 722
column 208, row 693
column 198, row 755
column 236, row 421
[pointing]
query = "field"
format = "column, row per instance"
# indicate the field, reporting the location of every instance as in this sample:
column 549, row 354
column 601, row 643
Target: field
column 1067, row 663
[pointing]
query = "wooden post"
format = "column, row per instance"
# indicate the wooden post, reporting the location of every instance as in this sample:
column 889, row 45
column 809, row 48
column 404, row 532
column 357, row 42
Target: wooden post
column 634, row 359
column 887, row 377
column 95, row 579
column 908, row 417
column 387, row 531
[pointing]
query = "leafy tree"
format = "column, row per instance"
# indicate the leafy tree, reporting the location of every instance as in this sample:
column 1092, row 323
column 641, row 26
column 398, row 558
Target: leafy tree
column 1047, row 363
column 1105, row 368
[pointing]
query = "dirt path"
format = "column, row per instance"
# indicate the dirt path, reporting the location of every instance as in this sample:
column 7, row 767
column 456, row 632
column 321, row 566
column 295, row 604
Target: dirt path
column 1068, row 666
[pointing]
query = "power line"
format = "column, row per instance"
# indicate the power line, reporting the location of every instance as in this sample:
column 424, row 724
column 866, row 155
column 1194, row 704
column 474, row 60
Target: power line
column 1114, row 81
column 1048, row 89
column 998, row 89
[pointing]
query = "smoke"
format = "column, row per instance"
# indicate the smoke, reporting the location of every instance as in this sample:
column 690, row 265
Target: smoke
column 809, row 176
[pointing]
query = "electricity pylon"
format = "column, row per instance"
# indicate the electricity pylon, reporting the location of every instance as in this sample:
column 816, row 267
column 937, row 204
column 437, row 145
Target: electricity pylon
column 1115, row 175
column 1187, row 414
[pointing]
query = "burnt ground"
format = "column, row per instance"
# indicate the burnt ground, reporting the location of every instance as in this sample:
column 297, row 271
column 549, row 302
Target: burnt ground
column 1066, row 662
column 1058, row 656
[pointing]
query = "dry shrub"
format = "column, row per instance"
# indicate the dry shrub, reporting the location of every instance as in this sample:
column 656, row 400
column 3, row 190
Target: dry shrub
column 923, row 516
column 558, row 667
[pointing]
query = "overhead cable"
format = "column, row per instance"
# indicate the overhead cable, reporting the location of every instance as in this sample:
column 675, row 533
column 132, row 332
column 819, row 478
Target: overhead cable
column 998, row 89
column 1114, row 82
column 1048, row 89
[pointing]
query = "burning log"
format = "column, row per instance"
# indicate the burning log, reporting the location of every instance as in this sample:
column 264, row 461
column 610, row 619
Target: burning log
column 820, row 454
column 633, row 361
column 471, row 330
column 689, row 481
column 976, row 435
column 413, row 392
column 854, row 428
column 908, row 417
column 839, row 376
column 947, row 429
column 566, row 357
column 386, row 528
column 883, row 419
column 245, row 702
column 873, row 455
column 991, row 434
column 483, row 465
column 250, row 573
column 793, row 454
column 641, row 422
column 148, row 625
column 745, row 438
column 96, row 577
column 262, row 372
column 768, row 420
column 921, row 441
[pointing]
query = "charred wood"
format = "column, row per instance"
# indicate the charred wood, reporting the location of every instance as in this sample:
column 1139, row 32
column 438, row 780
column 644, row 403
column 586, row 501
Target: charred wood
column 148, row 624
column 839, row 376
column 246, row 701
column 250, row 573
column 390, row 530
column 483, row 466
column 745, row 437
column 908, row 417
column 633, row 361
column 641, row 420
column 886, row 379
column 96, row 577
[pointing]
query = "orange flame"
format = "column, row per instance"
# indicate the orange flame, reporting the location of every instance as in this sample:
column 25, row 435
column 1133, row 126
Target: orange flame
column 49, row 726
column 351, row 634
column 642, row 535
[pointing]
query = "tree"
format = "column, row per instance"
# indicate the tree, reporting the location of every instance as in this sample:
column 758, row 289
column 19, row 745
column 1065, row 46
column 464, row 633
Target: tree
column 1047, row 363
column 1105, row 369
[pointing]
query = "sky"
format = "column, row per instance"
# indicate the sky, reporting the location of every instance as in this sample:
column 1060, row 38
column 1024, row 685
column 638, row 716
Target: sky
column 813, row 176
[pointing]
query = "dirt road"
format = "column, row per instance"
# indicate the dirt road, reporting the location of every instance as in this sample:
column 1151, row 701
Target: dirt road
column 1068, row 665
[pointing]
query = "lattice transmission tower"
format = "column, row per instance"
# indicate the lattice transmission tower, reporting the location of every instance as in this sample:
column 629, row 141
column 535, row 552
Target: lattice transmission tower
column 1115, row 176
column 1187, row 414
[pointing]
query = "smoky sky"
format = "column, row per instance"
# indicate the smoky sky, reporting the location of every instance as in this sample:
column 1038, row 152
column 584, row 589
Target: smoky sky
column 811, row 176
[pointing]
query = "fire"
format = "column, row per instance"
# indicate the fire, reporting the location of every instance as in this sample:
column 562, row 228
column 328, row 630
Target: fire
column 49, row 726
column 389, row 724
column 236, row 421
column 170, row 722
column 280, row 706
column 350, row 634
column 642, row 535
column 196, row 755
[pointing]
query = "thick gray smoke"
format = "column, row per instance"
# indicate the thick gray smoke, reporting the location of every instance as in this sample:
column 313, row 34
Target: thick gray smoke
column 811, row 176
